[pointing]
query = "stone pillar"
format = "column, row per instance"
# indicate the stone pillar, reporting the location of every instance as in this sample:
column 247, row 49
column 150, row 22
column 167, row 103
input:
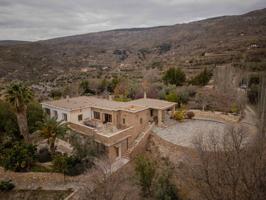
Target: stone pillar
column 160, row 117
column 173, row 110
column 145, row 95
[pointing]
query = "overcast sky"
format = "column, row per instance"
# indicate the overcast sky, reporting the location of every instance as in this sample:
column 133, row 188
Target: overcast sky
column 43, row 19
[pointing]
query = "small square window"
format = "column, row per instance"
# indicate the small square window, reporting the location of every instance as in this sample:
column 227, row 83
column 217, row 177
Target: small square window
column 96, row 115
column 80, row 117
column 107, row 118
column 64, row 116
column 124, row 121
column 141, row 121
column 117, row 149
column 55, row 114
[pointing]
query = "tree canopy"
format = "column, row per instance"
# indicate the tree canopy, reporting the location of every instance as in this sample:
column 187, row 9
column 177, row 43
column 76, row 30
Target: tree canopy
column 202, row 78
column 174, row 76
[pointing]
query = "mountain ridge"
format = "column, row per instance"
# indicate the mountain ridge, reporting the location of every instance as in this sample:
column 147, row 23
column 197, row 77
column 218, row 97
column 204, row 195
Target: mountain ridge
column 137, row 49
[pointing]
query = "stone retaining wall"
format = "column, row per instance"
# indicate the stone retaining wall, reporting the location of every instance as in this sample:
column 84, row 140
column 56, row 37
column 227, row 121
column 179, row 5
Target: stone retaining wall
column 215, row 116
column 140, row 146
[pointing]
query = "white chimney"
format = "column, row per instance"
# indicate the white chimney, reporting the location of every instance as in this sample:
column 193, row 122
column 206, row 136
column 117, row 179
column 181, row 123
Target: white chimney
column 110, row 97
column 67, row 97
column 145, row 95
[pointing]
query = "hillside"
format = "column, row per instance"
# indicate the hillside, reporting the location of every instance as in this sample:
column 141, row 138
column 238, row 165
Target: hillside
column 193, row 46
column 12, row 42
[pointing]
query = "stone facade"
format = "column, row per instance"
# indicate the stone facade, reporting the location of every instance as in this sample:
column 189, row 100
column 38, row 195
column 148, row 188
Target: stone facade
column 116, row 125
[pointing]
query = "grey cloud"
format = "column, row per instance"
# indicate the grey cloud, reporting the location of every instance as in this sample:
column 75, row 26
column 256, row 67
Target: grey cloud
column 35, row 20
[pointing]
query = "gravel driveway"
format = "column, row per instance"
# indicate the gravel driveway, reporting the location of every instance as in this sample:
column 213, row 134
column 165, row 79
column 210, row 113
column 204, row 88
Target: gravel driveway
column 183, row 133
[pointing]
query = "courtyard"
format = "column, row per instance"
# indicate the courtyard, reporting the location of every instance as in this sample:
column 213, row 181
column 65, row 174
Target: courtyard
column 184, row 133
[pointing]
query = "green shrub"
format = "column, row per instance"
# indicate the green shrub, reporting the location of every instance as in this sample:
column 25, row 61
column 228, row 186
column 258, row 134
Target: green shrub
column 165, row 190
column 112, row 84
column 190, row 114
column 172, row 97
column 6, row 185
column 145, row 172
column 174, row 76
column 202, row 78
column 8, row 122
column 182, row 98
column 85, row 148
column 17, row 156
column 85, row 87
column 179, row 115
column 234, row 108
column 69, row 165
column 56, row 94
column 44, row 155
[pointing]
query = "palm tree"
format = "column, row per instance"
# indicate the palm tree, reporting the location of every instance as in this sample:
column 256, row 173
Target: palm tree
column 19, row 96
column 51, row 129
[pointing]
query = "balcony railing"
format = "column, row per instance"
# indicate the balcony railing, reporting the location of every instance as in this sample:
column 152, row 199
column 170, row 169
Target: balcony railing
column 107, row 139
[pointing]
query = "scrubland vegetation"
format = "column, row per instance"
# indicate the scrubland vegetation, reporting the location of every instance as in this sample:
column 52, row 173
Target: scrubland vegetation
column 154, row 180
column 212, row 65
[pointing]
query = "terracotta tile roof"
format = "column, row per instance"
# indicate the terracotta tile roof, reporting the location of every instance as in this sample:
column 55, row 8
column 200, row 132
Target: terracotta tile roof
column 153, row 103
column 131, row 106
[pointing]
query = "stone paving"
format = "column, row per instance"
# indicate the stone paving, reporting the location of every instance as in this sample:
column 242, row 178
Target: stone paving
column 184, row 133
column 205, row 124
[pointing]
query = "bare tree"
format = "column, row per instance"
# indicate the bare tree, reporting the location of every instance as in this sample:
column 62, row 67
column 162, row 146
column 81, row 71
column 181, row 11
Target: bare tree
column 229, row 167
column 108, row 182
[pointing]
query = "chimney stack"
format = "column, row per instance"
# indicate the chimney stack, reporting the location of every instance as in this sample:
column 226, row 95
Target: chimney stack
column 67, row 97
column 145, row 95
column 110, row 98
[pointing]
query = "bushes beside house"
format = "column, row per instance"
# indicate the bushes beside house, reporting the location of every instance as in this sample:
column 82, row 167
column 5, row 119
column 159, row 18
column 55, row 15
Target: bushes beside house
column 179, row 115
column 179, row 98
column 44, row 155
column 172, row 97
column 190, row 114
column 69, row 165
column 17, row 156
column 182, row 114
column 81, row 159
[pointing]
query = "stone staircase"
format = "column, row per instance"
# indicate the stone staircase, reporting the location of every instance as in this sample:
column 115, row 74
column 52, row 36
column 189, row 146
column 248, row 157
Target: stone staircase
column 126, row 155
column 137, row 141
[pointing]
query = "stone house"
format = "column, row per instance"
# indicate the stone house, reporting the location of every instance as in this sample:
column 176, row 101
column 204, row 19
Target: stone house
column 117, row 127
